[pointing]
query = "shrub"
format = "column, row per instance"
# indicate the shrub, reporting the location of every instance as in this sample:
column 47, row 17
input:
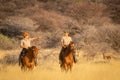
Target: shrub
column 44, row 24
column 86, row 12
column 10, row 31
column 7, row 43
column 114, row 10
column 9, row 7
column 9, row 59
column 101, row 39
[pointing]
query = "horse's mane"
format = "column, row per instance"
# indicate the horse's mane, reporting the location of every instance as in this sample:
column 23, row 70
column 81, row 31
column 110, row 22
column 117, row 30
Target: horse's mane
column 30, row 50
column 68, row 49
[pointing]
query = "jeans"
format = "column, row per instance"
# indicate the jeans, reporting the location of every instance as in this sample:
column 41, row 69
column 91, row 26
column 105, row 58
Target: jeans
column 23, row 52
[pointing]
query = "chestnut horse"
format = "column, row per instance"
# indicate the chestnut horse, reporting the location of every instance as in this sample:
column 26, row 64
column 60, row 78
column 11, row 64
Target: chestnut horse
column 68, row 60
column 28, row 60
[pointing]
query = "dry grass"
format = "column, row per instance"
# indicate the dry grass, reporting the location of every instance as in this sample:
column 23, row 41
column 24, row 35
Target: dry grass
column 48, row 70
column 5, row 52
column 81, row 71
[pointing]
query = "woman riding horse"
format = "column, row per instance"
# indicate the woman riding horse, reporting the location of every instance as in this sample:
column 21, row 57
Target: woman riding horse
column 25, row 44
column 66, row 39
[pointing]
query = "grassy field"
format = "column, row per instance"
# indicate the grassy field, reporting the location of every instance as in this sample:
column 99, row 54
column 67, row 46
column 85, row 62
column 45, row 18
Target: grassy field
column 48, row 70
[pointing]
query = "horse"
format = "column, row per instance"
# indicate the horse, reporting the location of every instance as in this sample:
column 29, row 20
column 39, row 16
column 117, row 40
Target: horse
column 68, row 60
column 28, row 60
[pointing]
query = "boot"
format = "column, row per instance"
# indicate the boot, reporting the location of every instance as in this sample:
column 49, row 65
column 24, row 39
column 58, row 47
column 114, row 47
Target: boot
column 36, row 62
column 74, row 58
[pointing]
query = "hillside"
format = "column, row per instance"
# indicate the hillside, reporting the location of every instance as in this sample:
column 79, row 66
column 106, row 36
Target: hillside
column 90, row 23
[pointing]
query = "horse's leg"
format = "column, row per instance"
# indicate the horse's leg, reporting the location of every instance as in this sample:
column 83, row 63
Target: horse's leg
column 32, row 66
column 30, row 69
column 61, row 66
column 66, row 64
column 22, row 65
column 66, row 67
column 23, row 68
column 26, row 68
column 71, row 63
column 71, row 66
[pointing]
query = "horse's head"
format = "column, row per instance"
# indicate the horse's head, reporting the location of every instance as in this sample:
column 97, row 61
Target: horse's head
column 72, row 46
column 34, row 51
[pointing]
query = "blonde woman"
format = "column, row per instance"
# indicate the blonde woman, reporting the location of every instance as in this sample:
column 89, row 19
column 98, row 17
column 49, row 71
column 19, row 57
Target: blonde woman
column 25, row 44
column 65, row 41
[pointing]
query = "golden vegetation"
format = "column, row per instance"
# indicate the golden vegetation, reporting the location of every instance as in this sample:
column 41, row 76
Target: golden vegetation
column 49, row 69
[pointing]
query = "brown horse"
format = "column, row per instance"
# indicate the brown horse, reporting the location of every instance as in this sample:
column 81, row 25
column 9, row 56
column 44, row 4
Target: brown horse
column 28, row 61
column 67, row 62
